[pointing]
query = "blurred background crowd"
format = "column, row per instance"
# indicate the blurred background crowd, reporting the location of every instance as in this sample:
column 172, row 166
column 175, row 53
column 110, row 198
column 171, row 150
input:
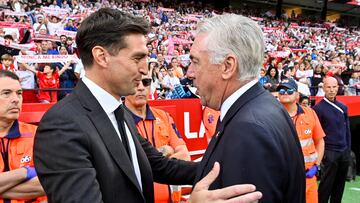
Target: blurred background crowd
column 37, row 43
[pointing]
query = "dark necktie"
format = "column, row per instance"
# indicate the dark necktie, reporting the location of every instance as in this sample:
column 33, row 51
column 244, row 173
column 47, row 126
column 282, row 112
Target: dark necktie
column 119, row 115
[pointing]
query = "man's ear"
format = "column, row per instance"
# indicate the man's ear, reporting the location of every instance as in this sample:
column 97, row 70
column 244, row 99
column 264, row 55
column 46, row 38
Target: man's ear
column 100, row 55
column 297, row 96
column 229, row 67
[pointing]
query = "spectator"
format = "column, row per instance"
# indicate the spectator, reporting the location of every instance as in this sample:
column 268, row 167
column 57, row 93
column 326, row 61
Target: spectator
column 153, row 67
column 8, row 50
column 55, row 24
column 48, row 79
column 54, row 5
column 19, row 181
column 169, row 82
column 287, row 72
column 52, row 48
column 304, row 101
column 44, row 48
column 70, row 26
column 68, row 79
column 69, row 45
column 316, row 79
column 177, row 70
column 27, row 81
column 40, row 25
column 7, row 63
column 354, row 84
column 79, row 70
column 301, row 73
column 333, row 116
column 273, row 81
column 159, row 128
column 264, row 80
column 65, row 5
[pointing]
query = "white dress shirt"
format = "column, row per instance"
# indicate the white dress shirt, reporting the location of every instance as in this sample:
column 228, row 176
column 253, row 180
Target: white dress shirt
column 109, row 105
column 233, row 97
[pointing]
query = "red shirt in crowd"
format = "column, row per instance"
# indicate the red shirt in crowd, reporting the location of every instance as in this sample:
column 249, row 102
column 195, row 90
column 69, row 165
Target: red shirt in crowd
column 11, row 68
column 45, row 82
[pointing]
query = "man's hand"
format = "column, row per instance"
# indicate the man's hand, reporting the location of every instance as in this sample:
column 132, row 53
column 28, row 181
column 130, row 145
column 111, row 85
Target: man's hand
column 233, row 194
column 166, row 150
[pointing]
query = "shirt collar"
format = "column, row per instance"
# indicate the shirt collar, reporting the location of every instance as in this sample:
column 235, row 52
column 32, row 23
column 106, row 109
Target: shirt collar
column 106, row 100
column 233, row 97
column 14, row 131
column 149, row 115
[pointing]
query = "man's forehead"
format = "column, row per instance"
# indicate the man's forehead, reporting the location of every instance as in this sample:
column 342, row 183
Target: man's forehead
column 9, row 83
column 136, row 42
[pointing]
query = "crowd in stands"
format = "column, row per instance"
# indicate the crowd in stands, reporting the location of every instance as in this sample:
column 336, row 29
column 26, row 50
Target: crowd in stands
column 37, row 42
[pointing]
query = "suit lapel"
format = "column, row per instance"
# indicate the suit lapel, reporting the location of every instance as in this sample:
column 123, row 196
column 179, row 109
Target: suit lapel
column 145, row 169
column 241, row 101
column 207, row 155
column 106, row 131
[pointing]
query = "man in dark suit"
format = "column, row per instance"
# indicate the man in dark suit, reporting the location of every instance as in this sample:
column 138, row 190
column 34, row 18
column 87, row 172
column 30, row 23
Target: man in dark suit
column 256, row 141
column 87, row 148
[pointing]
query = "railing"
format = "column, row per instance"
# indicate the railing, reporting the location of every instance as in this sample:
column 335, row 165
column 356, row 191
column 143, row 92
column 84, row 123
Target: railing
column 50, row 90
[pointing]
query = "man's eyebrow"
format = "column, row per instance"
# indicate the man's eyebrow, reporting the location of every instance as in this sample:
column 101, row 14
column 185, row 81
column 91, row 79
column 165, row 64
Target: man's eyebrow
column 192, row 57
column 10, row 90
column 139, row 54
column 5, row 90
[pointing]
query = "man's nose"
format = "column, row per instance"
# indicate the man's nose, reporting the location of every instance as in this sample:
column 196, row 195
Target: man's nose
column 190, row 73
column 143, row 69
column 15, row 97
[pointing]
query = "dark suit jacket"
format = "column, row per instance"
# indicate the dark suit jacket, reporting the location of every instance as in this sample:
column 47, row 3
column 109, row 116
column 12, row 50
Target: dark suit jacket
column 257, row 143
column 80, row 158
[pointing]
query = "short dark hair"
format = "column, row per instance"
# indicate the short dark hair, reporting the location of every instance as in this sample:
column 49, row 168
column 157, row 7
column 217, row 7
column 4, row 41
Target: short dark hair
column 107, row 28
column 8, row 74
column 10, row 37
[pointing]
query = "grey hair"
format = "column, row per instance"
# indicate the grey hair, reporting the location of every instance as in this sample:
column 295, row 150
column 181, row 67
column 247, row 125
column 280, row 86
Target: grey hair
column 238, row 35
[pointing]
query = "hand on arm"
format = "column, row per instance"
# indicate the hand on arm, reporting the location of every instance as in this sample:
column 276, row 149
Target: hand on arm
column 166, row 150
column 181, row 152
column 237, row 193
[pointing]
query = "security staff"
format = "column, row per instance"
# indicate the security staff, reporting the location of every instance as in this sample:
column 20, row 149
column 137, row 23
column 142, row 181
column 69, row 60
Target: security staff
column 309, row 131
column 18, row 179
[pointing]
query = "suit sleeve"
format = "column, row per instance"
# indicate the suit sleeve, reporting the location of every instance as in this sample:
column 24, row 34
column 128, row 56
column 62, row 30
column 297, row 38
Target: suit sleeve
column 166, row 170
column 63, row 162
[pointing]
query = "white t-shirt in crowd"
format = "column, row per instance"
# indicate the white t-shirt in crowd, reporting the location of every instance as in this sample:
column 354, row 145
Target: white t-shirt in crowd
column 52, row 27
column 27, row 80
column 79, row 68
column 36, row 25
column 300, row 74
column 171, row 81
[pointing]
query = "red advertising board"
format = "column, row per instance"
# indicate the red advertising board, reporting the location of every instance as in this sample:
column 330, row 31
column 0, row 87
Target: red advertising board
column 187, row 114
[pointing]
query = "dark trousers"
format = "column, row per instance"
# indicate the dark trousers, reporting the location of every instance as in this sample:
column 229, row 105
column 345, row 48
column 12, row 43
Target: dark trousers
column 334, row 169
